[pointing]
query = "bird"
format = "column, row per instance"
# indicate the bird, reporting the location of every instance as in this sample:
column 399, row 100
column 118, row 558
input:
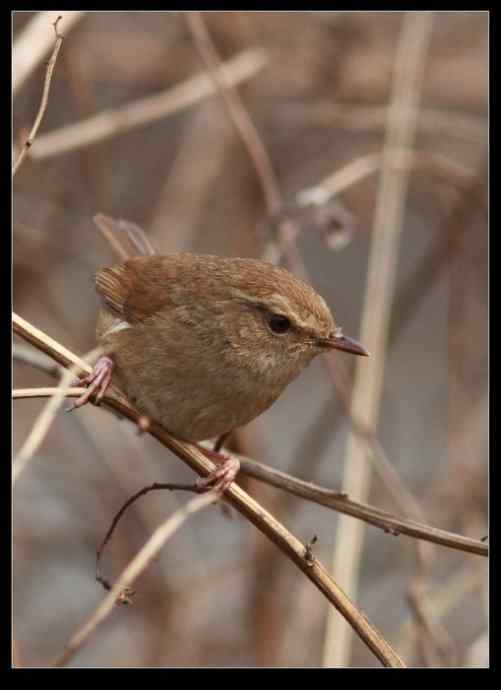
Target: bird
column 204, row 344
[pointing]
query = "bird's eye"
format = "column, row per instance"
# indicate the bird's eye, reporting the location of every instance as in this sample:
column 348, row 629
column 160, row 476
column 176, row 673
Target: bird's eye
column 278, row 324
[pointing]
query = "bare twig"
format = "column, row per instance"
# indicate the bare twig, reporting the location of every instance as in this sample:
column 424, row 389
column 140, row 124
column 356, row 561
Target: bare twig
column 110, row 123
column 401, row 125
column 139, row 563
column 45, row 99
column 47, row 392
column 374, row 516
column 240, row 500
column 44, row 421
column 132, row 499
column 34, row 42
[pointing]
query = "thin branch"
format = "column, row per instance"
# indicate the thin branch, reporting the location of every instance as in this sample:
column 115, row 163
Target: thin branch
column 238, row 498
column 340, row 502
column 47, row 392
column 139, row 563
column 110, row 123
column 194, row 488
column 34, row 42
column 401, row 127
column 43, row 422
column 45, row 99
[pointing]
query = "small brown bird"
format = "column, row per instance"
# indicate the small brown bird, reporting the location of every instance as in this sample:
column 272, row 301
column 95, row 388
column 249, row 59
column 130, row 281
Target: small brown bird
column 204, row 344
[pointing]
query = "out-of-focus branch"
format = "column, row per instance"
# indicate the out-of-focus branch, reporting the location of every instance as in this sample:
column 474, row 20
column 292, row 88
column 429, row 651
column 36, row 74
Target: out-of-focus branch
column 245, row 127
column 110, row 123
column 401, row 159
column 27, row 355
column 440, row 601
column 426, row 273
column 34, row 42
column 239, row 499
column 44, row 421
column 363, row 118
column 43, row 104
column 401, row 126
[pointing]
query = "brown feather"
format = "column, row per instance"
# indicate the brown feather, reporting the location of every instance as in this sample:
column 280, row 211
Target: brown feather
column 136, row 289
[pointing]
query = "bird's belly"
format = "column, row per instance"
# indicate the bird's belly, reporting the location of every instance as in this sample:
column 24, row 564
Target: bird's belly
column 192, row 406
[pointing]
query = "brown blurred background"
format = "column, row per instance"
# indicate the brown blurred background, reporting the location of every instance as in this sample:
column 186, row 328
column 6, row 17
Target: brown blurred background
column 219, row 595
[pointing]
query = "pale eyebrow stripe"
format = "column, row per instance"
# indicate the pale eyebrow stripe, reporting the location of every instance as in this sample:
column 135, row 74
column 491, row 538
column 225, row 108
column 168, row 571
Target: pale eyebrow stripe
column 278, row 302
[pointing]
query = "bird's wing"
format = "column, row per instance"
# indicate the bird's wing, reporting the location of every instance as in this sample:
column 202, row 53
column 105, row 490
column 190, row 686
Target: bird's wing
column 137, row 288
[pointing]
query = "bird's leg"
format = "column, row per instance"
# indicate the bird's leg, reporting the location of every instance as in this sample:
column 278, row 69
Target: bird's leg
column 220, row 441
column 221, row 477
column 97, row 381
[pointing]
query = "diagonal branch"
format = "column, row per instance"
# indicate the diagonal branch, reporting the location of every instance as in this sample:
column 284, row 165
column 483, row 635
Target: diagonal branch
column 329, row 498
column 239, row 499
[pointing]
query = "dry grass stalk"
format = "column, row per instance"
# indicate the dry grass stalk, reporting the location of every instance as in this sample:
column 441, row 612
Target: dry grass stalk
column 401, row 125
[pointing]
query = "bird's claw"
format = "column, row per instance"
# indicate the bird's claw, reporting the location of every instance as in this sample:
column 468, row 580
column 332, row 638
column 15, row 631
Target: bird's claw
column 222, row 476
column 97, row 381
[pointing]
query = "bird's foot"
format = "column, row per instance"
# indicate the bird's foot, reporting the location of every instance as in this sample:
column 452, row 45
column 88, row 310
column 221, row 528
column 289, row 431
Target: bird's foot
column 97, row 381
column 222, row 476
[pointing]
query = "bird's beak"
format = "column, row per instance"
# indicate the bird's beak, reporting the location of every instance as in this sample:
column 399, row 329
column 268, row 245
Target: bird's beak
column 343, row 342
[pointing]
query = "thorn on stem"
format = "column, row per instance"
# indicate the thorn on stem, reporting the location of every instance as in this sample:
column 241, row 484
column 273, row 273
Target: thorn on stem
column 308, row 550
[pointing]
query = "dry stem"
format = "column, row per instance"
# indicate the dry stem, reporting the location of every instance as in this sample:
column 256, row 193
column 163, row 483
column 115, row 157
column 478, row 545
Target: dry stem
column 43, row 104
column 401, row 124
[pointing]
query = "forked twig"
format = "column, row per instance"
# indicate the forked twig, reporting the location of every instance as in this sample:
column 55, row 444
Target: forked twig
column 45, row 99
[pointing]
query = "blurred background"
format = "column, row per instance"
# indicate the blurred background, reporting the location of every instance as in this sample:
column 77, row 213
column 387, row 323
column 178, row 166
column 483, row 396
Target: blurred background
column 317, row 86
